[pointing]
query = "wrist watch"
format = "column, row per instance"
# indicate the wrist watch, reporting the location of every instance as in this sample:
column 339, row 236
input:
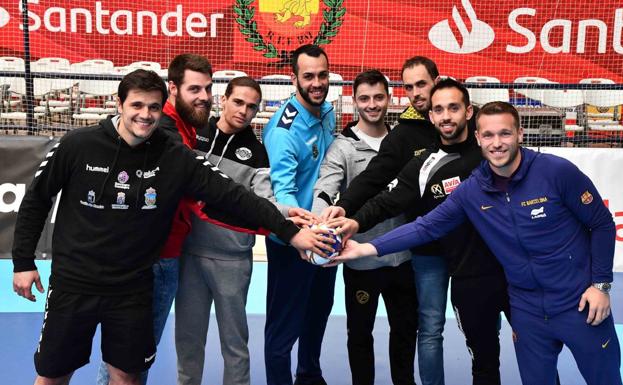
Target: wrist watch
column 604, row 287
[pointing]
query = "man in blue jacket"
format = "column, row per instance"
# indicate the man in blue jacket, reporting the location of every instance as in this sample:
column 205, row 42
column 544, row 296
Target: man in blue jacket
column 549, row 228
column 299, row 295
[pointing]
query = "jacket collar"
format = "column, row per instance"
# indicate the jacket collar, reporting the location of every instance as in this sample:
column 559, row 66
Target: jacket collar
column 309, row 118
column 484, row 174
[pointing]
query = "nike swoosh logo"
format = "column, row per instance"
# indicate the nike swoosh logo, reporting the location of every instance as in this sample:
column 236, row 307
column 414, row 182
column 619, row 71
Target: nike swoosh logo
column 605, row 345
column 485, row 207
column 154, row 355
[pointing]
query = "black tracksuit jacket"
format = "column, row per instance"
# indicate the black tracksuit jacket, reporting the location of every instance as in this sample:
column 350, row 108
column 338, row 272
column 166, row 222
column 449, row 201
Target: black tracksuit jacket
column 116, row 207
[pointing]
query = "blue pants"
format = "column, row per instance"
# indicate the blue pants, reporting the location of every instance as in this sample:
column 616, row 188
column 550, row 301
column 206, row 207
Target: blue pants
column 298, row 302
column 539, row 341
column 166, row 272
column 431, row 283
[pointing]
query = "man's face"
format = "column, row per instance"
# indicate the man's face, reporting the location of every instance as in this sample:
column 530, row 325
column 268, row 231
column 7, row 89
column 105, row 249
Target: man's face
column 193, row 98
column 449, row 115
column 371, row 102
column 239, row 108
column 139, row 115
column 312, row 80
column 499, row 139
column 417, row 84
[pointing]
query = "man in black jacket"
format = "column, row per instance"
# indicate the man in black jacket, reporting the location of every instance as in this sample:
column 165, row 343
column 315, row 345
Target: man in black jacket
column 413, row 134
column 479, row 291
column 121, row 183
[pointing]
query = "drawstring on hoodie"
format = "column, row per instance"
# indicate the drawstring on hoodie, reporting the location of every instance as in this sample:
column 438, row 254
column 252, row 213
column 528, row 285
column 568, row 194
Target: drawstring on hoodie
column 224, row 148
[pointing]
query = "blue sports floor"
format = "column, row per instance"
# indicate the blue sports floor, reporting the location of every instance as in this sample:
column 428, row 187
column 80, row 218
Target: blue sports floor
column 20, row 322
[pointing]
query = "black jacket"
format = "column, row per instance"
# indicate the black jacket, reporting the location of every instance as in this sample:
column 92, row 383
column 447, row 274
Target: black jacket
column 117, row 204
column 423, row 184
column 406, row 139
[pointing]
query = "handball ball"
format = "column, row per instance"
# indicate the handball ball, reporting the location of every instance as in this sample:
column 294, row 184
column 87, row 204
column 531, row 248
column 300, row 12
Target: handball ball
column 316, row 259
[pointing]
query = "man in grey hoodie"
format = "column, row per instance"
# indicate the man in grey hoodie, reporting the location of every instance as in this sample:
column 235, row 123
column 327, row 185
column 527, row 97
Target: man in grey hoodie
column 216, row 262
column 365, row 280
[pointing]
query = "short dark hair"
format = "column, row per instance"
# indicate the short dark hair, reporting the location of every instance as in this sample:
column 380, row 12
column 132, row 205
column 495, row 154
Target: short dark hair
column 497, row 108
column 451, row 83
column 371, row 77
column 309, row 50
column 242, row 81
column 430, row 65
column 187, row 61
column 142, row 80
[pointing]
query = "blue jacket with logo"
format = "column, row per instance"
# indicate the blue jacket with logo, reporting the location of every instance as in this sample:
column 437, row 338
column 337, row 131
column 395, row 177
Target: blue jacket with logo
column 296, row 142
column 551, row 231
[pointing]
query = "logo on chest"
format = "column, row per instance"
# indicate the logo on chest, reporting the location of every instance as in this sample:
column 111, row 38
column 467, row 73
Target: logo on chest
column 538, row 213
column 450, row 184
column 243, row 153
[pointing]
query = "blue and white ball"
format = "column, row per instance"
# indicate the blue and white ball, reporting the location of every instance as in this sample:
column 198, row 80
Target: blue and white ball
column 316, row 259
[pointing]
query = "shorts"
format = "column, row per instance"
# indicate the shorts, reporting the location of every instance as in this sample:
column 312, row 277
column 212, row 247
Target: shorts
column 70, row 322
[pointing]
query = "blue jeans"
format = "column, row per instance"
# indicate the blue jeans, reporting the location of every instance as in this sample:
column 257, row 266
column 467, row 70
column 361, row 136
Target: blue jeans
column 166, row 272
column 431, row 283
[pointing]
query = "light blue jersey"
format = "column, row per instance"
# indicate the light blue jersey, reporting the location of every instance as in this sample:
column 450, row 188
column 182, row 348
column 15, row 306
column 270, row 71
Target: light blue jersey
column 296, row 142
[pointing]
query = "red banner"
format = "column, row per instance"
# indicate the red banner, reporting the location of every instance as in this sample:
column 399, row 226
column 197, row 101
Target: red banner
column 562, row 41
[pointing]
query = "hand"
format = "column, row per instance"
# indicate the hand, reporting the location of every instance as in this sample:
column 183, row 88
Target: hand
column 313, row 240
column 332, row 212
column 353, row 250
column 302, row 217
column 345, row 227
column 22, row 284
column 598, row 305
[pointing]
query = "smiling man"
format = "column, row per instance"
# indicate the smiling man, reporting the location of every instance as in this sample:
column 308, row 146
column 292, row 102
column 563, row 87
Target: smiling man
column 300, row 295
column 186, row 109
column 424, row 183
column 368, row 279
column 550, row 230
column 121, row 182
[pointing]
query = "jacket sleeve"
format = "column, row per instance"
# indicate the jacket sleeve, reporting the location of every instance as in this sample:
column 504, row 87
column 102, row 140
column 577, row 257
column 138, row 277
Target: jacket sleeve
column 227, row 200
column 582, row 198
column 49, row 179
column 282, row 154
column 381, row 170
column 330, row 179
column 262, row 187
column 396, row 201
column 434, row 225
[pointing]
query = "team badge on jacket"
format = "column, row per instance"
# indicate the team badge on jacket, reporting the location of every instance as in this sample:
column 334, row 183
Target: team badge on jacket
column 150, row 199
column 315, row 151
column 243, row 153
column 587, row 198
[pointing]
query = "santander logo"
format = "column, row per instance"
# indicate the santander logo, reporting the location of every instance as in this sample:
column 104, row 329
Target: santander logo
column 4, row 17
column 478, row 38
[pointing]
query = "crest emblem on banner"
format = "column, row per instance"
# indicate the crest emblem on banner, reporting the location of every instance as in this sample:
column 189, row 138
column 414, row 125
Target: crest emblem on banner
column 275, row 28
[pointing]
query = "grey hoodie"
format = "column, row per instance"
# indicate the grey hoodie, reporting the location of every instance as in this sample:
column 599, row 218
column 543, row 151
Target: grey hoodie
column 345, row 159
column 243, row 158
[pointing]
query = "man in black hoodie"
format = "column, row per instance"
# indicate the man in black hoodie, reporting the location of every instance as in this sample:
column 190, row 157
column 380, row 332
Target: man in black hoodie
column 121, row 183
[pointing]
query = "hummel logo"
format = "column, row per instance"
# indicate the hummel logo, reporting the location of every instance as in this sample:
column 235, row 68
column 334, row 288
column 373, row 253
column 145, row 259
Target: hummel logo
column 289, row 113
column 286, row 121
column 150, row 358
column 485, row 207
column 605, row 345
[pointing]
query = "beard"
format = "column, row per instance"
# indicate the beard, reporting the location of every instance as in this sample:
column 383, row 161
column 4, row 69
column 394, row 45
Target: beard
column 191, row 115
column 305, row 95
column 461, row 127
